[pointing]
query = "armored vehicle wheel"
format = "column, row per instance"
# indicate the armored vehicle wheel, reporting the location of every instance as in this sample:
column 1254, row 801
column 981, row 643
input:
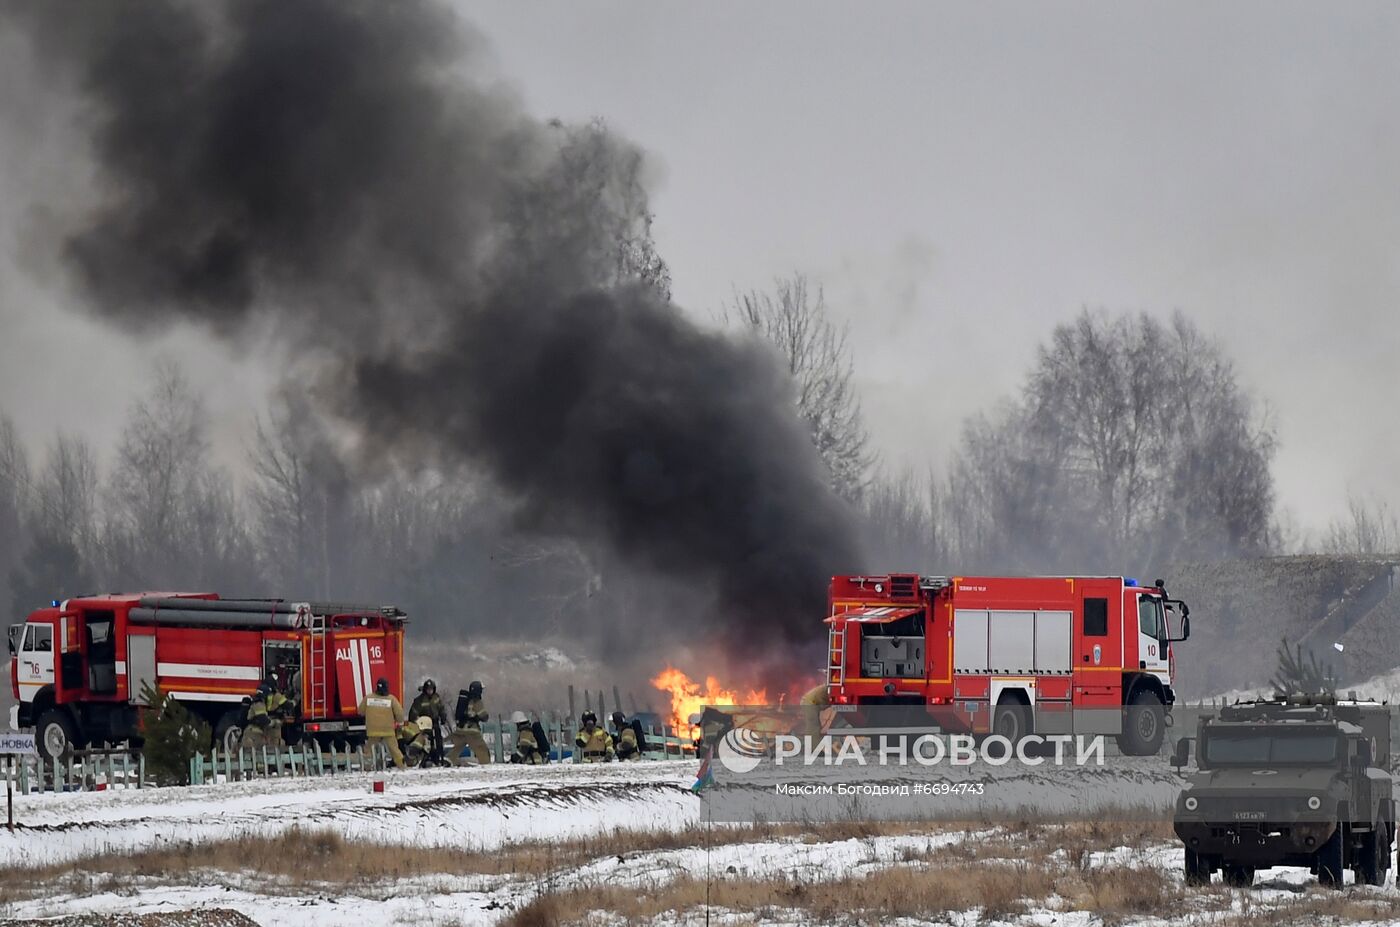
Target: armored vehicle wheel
column 1197, row 868
column 1239, row 876
column 1374, row 857
column 1330, row 859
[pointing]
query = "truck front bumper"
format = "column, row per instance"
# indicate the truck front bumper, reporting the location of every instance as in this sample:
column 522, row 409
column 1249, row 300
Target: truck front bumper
column 1258, row 844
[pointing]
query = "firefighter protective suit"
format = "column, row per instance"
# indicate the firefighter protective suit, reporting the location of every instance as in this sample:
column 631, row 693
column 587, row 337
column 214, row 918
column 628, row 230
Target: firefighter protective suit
column 594, row 744
column 471, row 729
column 383, row 714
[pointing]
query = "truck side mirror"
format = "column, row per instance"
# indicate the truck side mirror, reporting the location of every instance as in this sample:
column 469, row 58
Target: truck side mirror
column 1182, row 754
column 1173, row 604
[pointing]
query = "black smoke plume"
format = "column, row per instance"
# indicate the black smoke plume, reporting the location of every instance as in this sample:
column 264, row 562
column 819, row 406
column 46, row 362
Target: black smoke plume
column 477, row 286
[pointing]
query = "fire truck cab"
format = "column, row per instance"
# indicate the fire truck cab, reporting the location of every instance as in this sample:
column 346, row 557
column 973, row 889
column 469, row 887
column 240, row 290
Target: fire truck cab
column 1009, row 655
column 79, row 667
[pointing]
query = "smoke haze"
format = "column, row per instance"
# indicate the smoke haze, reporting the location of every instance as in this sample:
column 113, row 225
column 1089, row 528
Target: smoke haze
column 469, row 285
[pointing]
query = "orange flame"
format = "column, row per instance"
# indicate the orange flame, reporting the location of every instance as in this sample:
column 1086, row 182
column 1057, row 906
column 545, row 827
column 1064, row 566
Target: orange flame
column 688, row 696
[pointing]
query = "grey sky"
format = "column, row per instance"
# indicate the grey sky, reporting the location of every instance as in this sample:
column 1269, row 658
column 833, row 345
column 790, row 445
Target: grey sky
column 959, row 178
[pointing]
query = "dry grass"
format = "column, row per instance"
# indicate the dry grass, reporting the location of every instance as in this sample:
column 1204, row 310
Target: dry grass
column 1000, row 872
column 305, row 857
column 1315, row 906
column 936, row 888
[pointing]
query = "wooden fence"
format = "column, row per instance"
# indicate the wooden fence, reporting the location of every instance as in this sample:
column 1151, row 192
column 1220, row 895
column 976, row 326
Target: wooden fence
column 118, row 768
column 85, row 770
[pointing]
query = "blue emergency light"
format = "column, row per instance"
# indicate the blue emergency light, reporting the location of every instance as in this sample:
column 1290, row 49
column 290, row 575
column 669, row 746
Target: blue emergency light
column 1129, row 582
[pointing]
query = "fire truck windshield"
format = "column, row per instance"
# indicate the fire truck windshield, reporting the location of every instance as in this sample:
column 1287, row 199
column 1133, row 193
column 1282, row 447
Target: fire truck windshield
column 1250, row 748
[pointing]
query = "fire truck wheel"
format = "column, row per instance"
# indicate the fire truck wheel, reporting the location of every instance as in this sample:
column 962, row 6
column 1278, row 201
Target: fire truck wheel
column 227, row 733
column 1144, row 725
column 56, row 735
column 1012, row 721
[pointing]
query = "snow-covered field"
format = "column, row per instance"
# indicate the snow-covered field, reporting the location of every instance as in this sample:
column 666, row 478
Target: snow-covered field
column 471, row 809
column 493, row 809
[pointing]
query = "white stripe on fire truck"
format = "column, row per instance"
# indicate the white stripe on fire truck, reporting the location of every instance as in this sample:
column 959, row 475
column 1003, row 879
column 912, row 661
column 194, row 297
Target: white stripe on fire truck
column 364, row 661
column 206, row 697
column 208, row 671
column 361, row 654
column 356, row 679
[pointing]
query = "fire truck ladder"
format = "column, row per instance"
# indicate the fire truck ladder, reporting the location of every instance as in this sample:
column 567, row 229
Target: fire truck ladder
column 318, row 666
column 836, row 654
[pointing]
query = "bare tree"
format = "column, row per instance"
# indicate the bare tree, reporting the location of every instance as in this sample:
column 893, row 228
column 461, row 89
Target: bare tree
column 1131, row 441
column 794, row 320
column 174, row 519
column 60, row 556
column 14, row 491
column 1370, row 527
column 904, row 523
column 302, row 499
column 66, row 496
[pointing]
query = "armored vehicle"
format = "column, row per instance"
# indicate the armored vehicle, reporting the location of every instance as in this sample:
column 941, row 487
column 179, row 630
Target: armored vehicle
column 1302, row 781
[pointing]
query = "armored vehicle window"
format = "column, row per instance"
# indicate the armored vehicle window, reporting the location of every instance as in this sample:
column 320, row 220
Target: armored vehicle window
column 1305, row 748
column 1256, row 748
column 1096, row 617
column 1150, row 617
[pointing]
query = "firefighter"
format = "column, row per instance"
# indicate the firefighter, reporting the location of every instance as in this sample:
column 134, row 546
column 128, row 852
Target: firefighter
column 471, row 713
column 527, row 748
column 383, row 714
column 696, row 735
column 280, row 710
column 257, row 722
column 813, row 701
column 712, row 725
column 416, row 741
column 594, row 743
column 625, row 739
column 429, row 704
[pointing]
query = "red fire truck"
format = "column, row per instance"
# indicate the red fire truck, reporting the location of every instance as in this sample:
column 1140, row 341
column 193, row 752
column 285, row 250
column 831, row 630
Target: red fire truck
column 78, row 667
column 1009, row 655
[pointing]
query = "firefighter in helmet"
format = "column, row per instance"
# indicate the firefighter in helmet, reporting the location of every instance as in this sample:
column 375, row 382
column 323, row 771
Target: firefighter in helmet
column 471, row 713
column 257, row 721
column 416, row 741
column 383, row 713
column 280, row 710
column 593, row 742
column 429, row 704
column 527, row 747
column 625, row 738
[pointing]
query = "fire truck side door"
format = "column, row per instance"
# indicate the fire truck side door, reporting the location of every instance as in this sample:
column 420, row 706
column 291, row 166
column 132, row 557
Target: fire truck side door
column 140, row 666
column 1098, row 659
column 1152, row 635
column 35, row 660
